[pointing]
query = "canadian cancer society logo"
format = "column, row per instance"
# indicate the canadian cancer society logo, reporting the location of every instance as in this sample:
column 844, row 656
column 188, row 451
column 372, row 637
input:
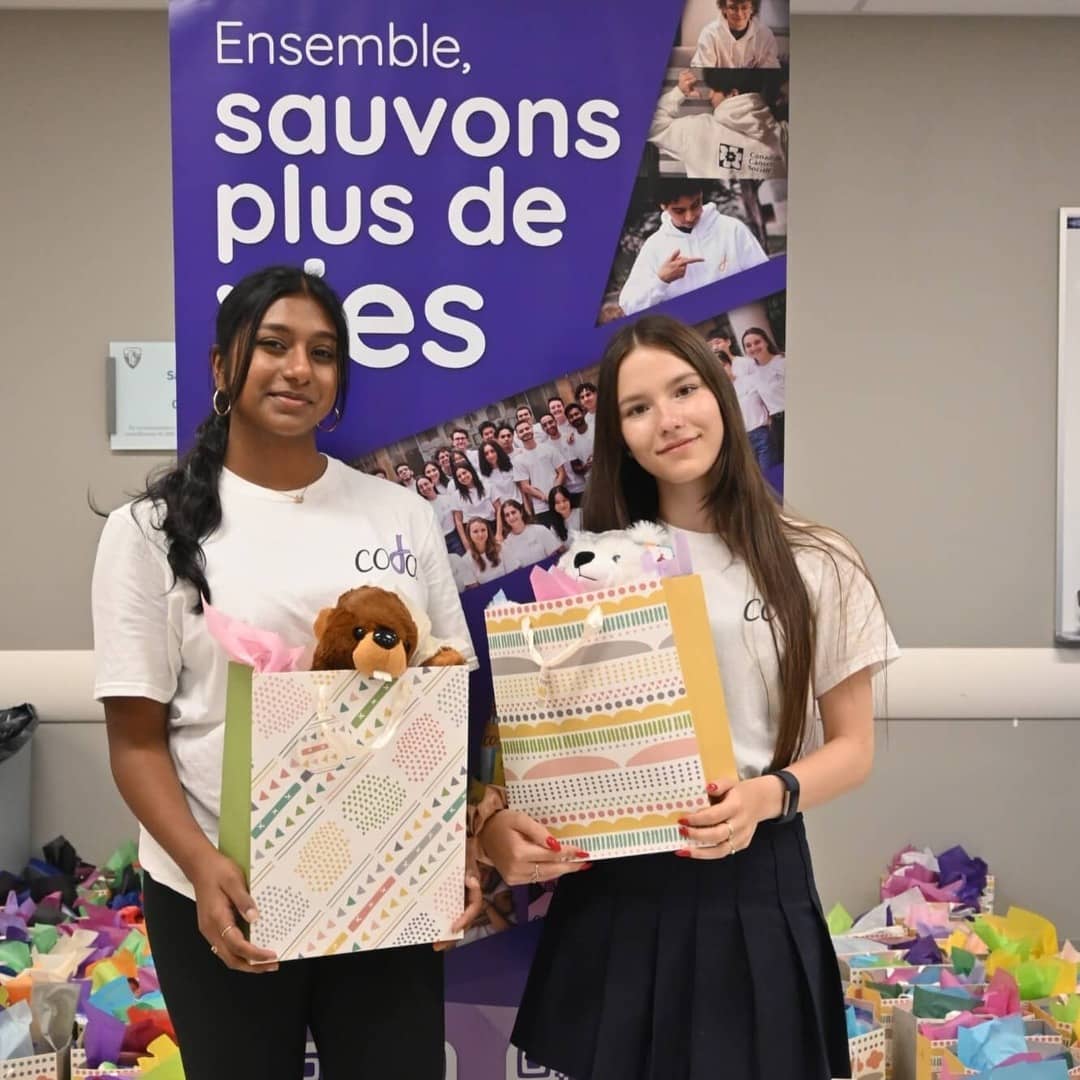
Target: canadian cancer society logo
column 399, row 559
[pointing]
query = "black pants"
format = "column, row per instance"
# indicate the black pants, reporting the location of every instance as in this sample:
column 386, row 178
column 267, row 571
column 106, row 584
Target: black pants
column 376, row 1015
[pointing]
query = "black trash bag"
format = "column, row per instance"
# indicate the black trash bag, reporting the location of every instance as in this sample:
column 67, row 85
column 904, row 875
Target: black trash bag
column 62, row 855
column 16, row 726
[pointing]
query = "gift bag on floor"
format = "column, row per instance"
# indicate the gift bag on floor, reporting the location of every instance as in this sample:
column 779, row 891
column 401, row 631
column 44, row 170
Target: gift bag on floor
column 343, row 800
column 611, row 712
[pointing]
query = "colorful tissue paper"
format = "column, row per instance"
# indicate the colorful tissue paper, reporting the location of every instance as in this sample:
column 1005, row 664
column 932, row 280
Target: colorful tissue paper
column 953, row 877
column 15, row 1040
column 1041, row 1070
column 924, row 951
column 838, row 920
column 1039, row 932
column 164, row 1061
column 858, row 1022
column 262, row 650
column 992, row 1043
column 1002, row 995
column 104, row 1037
column 955, row 865
column 937, row 1004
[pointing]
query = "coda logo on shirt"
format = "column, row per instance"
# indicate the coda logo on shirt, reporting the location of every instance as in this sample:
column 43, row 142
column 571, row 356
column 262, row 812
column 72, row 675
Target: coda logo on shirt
column 400, row 559
column 756, row 610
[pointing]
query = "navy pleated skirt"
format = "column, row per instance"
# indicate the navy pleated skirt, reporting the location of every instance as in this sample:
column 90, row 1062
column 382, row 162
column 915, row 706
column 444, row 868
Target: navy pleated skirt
column 662, row 968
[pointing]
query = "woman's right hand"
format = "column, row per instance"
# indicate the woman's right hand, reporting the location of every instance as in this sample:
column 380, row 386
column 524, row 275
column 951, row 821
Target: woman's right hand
column 524, row 852
column 222, row 897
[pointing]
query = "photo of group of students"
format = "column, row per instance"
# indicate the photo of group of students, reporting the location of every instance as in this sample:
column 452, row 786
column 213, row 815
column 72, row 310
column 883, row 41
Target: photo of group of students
column 748, row 342
column 681, row 234
column 505, row 482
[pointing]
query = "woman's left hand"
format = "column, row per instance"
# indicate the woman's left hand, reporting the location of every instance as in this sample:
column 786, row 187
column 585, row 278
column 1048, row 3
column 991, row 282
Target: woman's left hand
column 474, row 905
column 729, row 824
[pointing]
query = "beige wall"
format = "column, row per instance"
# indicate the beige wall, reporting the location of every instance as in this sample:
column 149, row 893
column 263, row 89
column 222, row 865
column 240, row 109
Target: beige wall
column 86, row 235
column 929, row 158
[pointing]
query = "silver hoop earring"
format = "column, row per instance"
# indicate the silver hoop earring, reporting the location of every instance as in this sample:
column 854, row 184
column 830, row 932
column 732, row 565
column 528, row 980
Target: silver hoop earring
column 215, row 399
column 337, row 420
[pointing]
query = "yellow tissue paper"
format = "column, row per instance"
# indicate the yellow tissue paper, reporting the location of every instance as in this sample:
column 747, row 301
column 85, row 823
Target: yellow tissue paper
column 164, row 1064
column 1025, row 925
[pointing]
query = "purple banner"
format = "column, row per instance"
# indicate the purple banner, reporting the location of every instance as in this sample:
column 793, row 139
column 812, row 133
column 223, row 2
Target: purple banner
column 491, row 188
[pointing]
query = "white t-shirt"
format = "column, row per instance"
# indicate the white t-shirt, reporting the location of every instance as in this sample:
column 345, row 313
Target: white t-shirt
column 468, row 573
column 566, row 453
column 272, row 563
column 769, row 381
column 443, row 505
column 539, row 467
column 573, row 522
column 755, row 413
column 851, row 634
column 582, row 446
column 501, row 485
column 480, row 506
column 533, row 543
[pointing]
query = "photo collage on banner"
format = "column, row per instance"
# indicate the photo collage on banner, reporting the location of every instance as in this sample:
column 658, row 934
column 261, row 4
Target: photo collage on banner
column 506, row 481
column 490, row 216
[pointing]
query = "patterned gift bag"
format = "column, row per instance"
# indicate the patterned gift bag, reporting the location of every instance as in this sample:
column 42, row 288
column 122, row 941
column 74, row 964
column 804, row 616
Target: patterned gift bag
column 611, row 712
column 343, row 799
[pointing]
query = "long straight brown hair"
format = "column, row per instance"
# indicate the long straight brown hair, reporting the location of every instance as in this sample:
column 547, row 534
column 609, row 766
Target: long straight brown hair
column 743, row 507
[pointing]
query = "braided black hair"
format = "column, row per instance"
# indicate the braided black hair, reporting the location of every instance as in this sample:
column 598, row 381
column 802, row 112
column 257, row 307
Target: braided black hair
column 186, row 496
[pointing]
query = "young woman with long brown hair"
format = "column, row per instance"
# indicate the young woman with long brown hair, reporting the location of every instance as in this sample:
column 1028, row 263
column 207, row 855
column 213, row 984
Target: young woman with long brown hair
column 714, row 961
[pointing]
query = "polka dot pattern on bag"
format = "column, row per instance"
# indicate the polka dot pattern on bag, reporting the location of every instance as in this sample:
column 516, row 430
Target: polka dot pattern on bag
column 281, row 911
column 452, row 701
column 372, row 802
column 448, row 899
column 277, row 705
column 421, row 748
column 324, row 858
column 420, row 930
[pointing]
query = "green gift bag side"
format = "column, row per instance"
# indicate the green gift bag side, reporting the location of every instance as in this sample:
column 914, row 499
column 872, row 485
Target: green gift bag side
column 234, row 826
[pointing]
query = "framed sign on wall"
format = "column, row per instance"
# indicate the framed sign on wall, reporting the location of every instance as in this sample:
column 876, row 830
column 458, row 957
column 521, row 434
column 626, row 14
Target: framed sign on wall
column 1067, row 601
column 142, row 395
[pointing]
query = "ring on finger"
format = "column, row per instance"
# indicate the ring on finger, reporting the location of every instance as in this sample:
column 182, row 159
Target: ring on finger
column 730, row 832
column 213, row 949
column 536, row 874
column 731, row 847
column 225, row 929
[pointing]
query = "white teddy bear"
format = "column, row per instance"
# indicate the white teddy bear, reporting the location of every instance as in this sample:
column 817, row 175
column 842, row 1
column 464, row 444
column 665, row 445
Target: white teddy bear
column 616, row 557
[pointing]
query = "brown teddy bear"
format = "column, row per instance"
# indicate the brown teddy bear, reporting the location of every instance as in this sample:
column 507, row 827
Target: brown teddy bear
column 373, row 631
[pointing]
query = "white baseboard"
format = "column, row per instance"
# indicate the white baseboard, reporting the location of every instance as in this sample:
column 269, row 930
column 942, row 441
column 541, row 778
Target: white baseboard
column 924, row 684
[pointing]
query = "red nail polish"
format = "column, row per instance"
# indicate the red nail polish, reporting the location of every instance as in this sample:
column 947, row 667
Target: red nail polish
column 711, row 788
column 553, row 844
column 683, row 831
column 683, row 853
column 684, row 821
column 586, row 866
column 582, row 854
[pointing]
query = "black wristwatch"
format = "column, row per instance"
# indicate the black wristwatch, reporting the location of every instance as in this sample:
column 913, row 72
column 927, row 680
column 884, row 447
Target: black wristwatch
column 791, row 796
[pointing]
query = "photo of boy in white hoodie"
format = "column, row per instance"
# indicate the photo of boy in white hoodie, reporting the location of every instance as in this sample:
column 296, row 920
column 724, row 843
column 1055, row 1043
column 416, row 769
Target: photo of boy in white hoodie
column 694, row 246
column 740, row 139
column 737, row 39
